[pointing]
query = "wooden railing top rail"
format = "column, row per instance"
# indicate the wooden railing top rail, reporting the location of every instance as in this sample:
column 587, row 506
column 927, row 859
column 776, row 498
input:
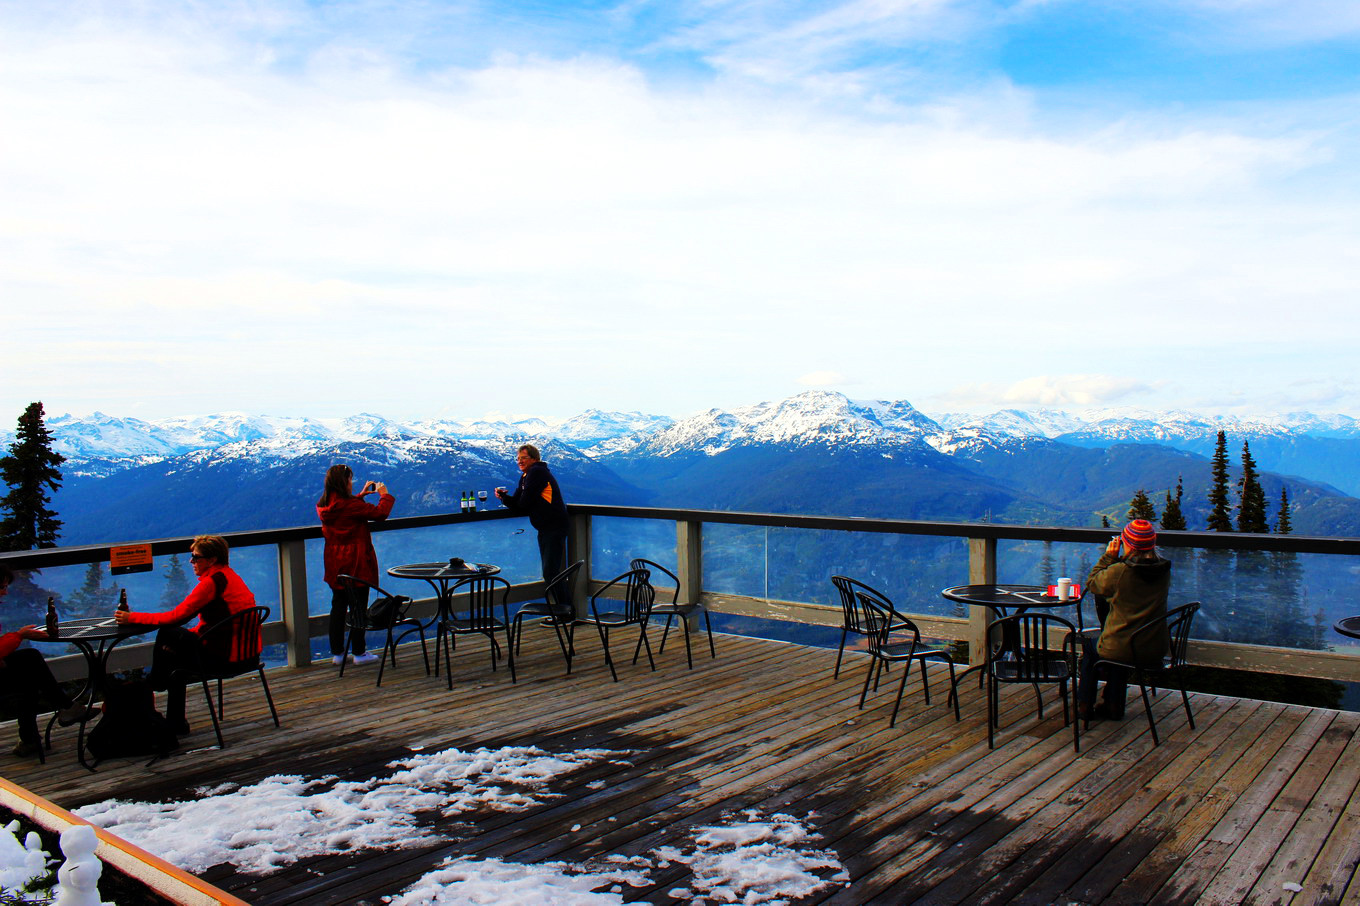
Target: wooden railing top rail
column 1301, row 544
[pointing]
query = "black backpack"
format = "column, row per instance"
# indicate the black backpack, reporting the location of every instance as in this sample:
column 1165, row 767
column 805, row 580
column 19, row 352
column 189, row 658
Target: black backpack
column 131, row 725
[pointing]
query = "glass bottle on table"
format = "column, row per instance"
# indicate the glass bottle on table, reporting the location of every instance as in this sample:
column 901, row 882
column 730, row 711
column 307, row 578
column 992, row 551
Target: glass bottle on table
column 52, row 630
column 122, row 600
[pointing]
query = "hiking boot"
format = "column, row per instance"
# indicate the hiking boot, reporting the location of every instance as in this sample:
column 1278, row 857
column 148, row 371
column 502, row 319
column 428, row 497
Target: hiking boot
column 76, row 714
column 24, row 749
column 181, row 726
column 367, row 657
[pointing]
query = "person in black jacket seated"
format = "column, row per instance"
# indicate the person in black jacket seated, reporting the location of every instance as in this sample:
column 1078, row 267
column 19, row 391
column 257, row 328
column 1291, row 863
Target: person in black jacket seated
column 539, row 496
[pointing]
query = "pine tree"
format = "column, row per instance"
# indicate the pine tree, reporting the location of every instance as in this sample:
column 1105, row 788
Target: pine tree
column 1251, row 506
column 31, row 472
column 1141, row 508
column 1219, row 519
column 1283, row 525
column 93, row 597
column 1173, row 520
column 1104, row 521
column 176, row 583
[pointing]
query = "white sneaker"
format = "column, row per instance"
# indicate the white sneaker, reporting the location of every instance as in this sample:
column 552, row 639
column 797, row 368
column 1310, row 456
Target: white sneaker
column 338, row 660
column 367, row 657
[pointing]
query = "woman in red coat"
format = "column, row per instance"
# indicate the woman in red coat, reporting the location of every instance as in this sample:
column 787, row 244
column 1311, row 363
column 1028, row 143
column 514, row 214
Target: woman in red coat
column 349, row 550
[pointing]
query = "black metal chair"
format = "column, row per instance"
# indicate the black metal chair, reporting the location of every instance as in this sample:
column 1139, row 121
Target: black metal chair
column 852, row 615
column 638, row 595
column 543, row 613
column 244, row 625
column 357, row 620
column 672, row 609
column 1017, row 652
column 1178, row 624
column 879, row 618
column 484, row 595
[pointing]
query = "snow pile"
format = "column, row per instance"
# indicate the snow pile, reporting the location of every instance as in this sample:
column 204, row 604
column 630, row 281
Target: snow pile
column 22, row 863
column 498, row 883
column 749, row 860
column 756, row 860
column 264, row 826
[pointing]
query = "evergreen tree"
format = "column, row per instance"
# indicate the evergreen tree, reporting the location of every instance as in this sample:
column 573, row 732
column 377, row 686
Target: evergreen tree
column 1283, row 525
column 31, row 472
column 1173, row 520
column 176, row 583
column 1104, row 521
column 93, row 597
column 1251, row 505
column 1219, row 519
column 1141, row 508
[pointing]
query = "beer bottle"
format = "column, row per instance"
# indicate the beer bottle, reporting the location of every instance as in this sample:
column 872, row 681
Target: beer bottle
column 122, row 600
column 52, row 630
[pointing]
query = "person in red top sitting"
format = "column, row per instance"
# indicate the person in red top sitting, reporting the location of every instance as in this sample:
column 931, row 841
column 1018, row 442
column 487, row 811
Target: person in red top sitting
column 218, row 594
column 349, row 550
column 24, row 673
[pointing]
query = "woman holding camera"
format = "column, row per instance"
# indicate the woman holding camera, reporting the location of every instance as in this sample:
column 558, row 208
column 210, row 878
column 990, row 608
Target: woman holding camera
column 349, row 551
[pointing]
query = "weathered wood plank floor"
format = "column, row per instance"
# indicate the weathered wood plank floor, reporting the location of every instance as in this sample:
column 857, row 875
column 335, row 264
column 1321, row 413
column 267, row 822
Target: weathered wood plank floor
column 1258, row 796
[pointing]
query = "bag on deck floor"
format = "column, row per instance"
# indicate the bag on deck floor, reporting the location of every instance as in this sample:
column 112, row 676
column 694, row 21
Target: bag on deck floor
column 131, row 725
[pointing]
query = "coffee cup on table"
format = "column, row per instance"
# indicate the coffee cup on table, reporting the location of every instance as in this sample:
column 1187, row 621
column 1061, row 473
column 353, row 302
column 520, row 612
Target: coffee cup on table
column 1064, row 589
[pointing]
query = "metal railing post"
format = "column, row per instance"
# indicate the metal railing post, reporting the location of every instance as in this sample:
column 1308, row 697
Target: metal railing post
column 689, row 563
column 981, row 571
column 293, row 602
column 578, row 548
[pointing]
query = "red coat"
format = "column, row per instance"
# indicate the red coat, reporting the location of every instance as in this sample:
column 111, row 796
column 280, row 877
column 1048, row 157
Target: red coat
column 218, row 594
column 349, row 546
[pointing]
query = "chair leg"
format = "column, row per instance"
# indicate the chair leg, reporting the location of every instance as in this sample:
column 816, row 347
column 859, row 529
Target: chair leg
column 637, row 649
column 267, row 697
column 835, row 674
column 221, row 702
column 954, row 692
column 604, row 641
column 666, row 632
column 1185, row 698
column 991, row 714
column 902, row 687
column 510, row 653
column 925, row 680
column 864, row 693
column 1076, row 731
column 1147, row 706
column 212, row 711
column 642, row 633
column 689, row 656
column 709, row 626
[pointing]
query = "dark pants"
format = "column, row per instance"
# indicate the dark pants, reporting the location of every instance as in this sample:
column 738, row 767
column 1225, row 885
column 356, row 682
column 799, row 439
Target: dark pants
column 176, row 649
column 1116, row 680
column 25, row 676
column 340, row 603
column 552, row 550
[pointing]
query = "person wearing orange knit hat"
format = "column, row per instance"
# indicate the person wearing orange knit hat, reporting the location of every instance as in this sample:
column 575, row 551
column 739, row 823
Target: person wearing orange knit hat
column 1135, row 580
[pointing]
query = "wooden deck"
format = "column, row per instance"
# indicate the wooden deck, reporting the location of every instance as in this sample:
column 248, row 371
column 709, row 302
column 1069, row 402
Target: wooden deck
column 1259, row 796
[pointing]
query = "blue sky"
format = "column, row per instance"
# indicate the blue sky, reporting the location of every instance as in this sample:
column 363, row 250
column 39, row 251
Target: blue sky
column 430, row 209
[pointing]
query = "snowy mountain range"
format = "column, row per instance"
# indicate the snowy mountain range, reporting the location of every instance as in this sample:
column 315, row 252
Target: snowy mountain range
column 100, row 443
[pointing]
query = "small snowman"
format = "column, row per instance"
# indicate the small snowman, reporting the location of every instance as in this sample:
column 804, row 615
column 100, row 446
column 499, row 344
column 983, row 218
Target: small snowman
column 78, row 877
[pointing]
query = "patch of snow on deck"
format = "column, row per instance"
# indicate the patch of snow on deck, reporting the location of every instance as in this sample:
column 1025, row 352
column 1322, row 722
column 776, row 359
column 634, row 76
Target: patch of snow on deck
column 273, row 823
column 497, row 883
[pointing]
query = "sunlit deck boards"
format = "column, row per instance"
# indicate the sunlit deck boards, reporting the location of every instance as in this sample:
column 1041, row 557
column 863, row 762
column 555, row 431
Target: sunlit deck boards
column 1258, row 796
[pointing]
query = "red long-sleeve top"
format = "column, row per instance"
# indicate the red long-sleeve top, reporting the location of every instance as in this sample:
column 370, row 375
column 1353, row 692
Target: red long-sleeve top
column 349, row 545
column 218, row 594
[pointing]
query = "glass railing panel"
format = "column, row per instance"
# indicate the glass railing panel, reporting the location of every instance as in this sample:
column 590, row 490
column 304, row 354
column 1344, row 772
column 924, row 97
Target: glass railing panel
column 615, row 540
column 90, row 590
column 797, row 565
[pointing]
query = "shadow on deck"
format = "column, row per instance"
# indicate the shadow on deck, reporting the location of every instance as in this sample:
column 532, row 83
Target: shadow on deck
column 1258, row 797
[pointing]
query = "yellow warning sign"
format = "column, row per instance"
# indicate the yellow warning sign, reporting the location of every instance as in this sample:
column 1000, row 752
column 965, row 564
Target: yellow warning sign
column 131, row 558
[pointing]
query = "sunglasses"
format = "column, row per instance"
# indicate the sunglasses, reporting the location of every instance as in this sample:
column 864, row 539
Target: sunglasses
column 194, row 558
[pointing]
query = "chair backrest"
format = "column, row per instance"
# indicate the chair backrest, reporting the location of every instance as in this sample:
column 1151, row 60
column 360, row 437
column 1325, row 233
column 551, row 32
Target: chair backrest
column 1178, row 624
column 1022, row 639
column 654, row 567
column 638, row 594
column 851, row 611
column 235, row 639
column 562, row 581
column 880, row 620
column 484, row 595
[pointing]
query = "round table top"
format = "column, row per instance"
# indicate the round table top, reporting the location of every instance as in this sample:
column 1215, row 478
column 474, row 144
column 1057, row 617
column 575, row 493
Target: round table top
column 442, row 571
column 1007, row 596
column 1350, row 626
column 95, row 629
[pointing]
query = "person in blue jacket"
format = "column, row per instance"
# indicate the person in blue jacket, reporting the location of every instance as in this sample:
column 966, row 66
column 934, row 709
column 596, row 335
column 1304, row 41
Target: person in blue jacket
column 539, row 496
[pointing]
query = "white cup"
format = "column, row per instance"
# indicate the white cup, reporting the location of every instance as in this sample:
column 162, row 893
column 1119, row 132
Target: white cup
column 1064, row 589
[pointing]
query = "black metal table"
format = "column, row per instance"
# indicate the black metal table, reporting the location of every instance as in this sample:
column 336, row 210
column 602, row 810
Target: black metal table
column 443, row 577
column 1004, row 598
column 96, row 637
column 1349, row 626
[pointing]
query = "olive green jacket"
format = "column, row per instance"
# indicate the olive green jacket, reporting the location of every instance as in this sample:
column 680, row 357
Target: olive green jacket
column 1137, row 592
